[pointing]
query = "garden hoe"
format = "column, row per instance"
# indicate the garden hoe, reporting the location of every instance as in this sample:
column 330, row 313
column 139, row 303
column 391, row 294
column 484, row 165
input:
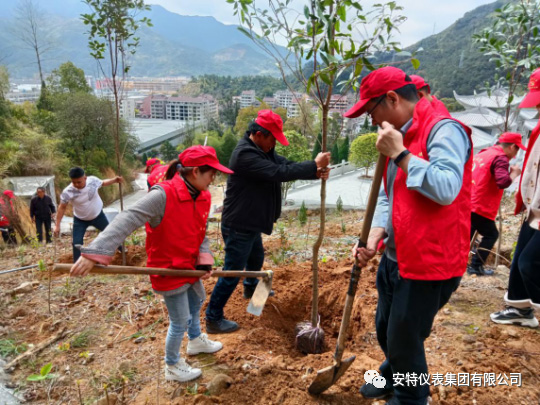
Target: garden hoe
column 328, row 376
column 255, row 307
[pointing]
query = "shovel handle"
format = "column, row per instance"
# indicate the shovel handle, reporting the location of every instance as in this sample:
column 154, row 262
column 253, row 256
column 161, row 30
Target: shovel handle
column 65, row 268
column 357, row 270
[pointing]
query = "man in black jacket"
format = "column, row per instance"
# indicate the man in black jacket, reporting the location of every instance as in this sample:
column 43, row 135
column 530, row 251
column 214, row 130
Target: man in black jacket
column 252, row 205
column 41, row 212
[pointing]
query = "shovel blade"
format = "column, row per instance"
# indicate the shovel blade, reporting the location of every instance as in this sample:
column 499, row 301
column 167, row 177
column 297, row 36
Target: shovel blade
column 328, row 376
column 260, row 295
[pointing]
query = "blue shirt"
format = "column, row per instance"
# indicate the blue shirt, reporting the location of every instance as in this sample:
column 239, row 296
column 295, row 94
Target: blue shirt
column 439, row 179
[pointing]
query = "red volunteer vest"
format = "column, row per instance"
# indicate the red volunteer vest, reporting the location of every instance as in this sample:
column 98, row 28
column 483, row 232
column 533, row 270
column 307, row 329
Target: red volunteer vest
column 486, row 196
column 534, row 137
column 439, row 106
column 4, row 221
column 175, row 242
column 157, row 175
column 432, row 240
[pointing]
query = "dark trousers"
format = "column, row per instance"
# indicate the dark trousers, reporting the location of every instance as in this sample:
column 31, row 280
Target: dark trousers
column 405, row 313
column 524, row 282
column 487, row 228
column 40, row 223
column 243, row 250
column 8, row 235
column 79, row 229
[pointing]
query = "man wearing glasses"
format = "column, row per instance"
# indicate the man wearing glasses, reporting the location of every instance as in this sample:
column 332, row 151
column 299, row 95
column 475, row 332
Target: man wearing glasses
column 252, row 205
column 423, row 216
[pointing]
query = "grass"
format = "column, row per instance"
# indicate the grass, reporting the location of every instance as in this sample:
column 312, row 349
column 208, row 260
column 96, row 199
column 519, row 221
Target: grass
column 82, row 339
column 9, row 347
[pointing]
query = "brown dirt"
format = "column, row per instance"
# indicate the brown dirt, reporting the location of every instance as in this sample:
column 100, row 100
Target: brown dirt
column 112, row 311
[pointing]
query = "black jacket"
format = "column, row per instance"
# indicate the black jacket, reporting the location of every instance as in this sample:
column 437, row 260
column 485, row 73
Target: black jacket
column 41, row 207
column 253, row 196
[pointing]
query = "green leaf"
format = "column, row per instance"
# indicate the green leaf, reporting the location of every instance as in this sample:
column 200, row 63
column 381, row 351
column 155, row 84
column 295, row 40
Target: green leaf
column 35, row 377
column 416, row 63
column 46, row 369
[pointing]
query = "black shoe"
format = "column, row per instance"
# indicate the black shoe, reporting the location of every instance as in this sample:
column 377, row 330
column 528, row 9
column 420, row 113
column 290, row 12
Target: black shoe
column 479, row 271
column 248, row 292
column 371, row 392
column 222, row 326
column 515, row 316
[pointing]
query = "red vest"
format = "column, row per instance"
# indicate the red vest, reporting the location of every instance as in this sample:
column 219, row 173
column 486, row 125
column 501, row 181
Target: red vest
column 175, row 242
column 432, row 240
column 4, row 221
column 486, row 196
column 534, row 137
column 157, row 175
column 439, row 106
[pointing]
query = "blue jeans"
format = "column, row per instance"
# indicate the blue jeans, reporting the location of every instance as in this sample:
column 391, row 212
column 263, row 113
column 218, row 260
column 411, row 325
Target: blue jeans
column 405, row 312
column 243, row 250
column 79, row 229
column 184, row 314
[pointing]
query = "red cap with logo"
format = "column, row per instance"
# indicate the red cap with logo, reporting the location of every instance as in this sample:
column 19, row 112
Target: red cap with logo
column 377, row 83
column 273, row 123
column 9, row 194
column 419, row 82
column 512, row 137
column 199, row 155
column 150, row 163
column 532, row 99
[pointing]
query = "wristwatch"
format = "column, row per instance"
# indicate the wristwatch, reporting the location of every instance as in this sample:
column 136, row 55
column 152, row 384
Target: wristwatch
column 400, row 157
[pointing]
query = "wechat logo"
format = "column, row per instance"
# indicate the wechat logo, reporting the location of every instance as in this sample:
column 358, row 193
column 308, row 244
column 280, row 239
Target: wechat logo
column 373, row 377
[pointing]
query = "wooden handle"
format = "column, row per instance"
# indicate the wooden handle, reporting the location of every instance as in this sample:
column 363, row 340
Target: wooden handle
column 65, row 268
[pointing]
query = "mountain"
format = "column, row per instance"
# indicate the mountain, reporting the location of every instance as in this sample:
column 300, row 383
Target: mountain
column 175, row 46
column 451, row 61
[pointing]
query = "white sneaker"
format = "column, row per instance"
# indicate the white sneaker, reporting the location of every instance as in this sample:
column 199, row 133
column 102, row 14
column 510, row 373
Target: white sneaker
column 181, row 371
column 202, row 344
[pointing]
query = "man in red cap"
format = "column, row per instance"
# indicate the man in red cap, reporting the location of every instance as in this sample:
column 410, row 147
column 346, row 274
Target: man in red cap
column 423, row 216
column 156, row 172
column 523, row 295
column 492, row 173
column 252, row 205
column 6, row 211
column 424, row 90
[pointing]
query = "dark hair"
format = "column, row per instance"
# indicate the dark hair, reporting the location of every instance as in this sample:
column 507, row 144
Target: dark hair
column 76, row 173
column 506, row 144
column 425, row 88
column 41, row 188
column 183, row 171
column 254, row 128
column 408, row 92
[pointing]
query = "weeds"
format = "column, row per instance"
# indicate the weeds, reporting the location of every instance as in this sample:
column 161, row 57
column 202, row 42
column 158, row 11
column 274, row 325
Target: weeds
column 81, row 340
column 44, row 374
column 9, row 347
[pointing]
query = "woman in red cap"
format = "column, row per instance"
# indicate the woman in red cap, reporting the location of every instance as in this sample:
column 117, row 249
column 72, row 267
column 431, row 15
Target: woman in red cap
column 491, row 174
column 523, row 295
column 175, row 213
column 156, row 172
column 8, row 233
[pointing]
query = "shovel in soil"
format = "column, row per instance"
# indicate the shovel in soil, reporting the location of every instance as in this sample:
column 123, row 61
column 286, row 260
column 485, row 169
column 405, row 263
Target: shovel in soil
column 328, row 376
column 256, row 304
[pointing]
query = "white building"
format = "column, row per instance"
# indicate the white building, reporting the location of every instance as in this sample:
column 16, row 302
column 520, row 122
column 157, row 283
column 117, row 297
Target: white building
column 247, row 98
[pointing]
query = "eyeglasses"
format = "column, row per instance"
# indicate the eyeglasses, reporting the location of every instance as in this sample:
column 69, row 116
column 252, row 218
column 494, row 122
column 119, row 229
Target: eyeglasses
column 376, row 105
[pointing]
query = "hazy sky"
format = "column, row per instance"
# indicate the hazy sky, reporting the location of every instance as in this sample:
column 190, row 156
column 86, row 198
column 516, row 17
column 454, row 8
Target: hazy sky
column 425, row 17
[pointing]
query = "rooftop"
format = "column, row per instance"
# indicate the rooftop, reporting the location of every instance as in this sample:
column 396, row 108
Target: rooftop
column 479, row 117
column 497, row 99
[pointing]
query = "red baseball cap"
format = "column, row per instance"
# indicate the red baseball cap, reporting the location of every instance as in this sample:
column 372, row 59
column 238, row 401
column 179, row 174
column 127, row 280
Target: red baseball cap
column 532, row 99
column 512, row 137
column 9, row 193
column 151, row 162
column 199, row 155
column 377, row 83
column 419, row 82
column 273, row 123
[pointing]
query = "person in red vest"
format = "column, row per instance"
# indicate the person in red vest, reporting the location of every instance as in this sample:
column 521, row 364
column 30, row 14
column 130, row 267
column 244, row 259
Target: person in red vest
column 156, row 172
column 523, row 295
column 175, row 212
column 423, row 215
column 492, row 173
column 8, row 233
column 424, row 90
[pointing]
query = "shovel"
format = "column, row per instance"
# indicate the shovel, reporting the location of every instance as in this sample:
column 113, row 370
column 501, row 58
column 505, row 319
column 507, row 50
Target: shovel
column 255, row 307
column 328, row 376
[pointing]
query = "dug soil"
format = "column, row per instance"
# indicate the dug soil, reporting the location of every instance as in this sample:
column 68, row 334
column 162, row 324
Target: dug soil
column 117, row 328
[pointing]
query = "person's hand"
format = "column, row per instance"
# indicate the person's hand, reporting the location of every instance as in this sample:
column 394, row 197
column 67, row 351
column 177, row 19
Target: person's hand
column 82, row 267
column 323, row 173
column 389, row 141
column 118, row 179
column 364, row 255
column 56, row 232
column 33, row 220
column 322, row 159
column 207, row 275
column 515, row 170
